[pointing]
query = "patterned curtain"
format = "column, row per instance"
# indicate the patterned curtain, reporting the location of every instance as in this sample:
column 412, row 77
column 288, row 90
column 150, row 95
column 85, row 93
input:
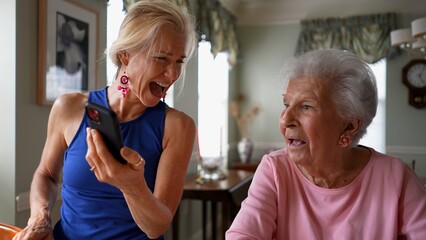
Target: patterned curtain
column 214, row 23
column 366, row 36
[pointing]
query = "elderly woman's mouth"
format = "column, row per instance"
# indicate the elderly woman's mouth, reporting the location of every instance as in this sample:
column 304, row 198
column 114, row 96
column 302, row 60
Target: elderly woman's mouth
column 157, row 88
column 295, row 142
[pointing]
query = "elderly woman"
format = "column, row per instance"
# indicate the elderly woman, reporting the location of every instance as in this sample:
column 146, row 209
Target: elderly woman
column 323, row 184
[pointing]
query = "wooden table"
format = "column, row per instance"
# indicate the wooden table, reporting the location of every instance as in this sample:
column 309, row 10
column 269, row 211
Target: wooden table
column 230, row 192
column 252, row 166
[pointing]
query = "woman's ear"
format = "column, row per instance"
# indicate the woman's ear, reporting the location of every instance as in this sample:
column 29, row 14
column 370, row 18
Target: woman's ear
column 353, row 127
column 123, row 56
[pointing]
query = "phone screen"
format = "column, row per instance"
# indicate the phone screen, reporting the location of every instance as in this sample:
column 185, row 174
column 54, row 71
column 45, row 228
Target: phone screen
column 106, row 122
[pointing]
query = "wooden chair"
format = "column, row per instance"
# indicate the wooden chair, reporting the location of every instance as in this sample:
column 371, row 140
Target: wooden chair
column 7, row 232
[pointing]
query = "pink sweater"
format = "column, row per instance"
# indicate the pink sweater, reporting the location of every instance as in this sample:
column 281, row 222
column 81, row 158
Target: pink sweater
column 386, row 201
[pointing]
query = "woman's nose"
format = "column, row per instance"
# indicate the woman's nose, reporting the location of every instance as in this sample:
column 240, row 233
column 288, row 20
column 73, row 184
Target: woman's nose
column 173, row 71
column 287, row 117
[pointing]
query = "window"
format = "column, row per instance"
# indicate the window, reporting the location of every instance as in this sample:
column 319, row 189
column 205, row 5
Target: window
column 213, row 77
column 115, row 16
column 375, row 136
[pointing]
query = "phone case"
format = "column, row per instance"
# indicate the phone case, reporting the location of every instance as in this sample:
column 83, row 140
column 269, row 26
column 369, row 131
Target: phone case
column 106, row 122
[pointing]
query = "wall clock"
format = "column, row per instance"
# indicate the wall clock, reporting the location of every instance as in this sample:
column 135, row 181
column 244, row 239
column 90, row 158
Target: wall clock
column 414, row 77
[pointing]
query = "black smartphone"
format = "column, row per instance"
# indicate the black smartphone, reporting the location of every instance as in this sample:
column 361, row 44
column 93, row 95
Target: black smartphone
column 106, row 122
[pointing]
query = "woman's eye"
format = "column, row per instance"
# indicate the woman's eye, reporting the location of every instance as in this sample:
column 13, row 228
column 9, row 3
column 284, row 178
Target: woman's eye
column 306, row 107
column 285, row 106
column 160, row 59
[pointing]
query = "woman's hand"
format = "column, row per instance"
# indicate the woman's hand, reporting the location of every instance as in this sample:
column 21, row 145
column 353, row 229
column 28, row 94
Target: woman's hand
column 109, row 170
column 38, row 228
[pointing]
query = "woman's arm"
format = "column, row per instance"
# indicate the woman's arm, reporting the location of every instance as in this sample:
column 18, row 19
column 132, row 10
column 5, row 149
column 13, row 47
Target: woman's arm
column 153, row 212
column 64, row 119
column 257, row 217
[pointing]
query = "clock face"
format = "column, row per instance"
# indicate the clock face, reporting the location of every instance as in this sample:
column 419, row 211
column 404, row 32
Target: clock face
column 416, row 75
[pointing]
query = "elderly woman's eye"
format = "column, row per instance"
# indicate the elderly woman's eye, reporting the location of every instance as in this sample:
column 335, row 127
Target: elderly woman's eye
column 306, row 107
column 285, row 105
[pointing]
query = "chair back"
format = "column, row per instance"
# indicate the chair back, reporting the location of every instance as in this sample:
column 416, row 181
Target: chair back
column 7, row 232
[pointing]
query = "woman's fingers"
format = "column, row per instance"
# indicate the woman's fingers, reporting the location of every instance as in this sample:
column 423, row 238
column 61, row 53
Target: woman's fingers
column 97, row 153
column 138, row 165
column 38, row 228
column 134, row 160
column 100, row 151
column 91, row 150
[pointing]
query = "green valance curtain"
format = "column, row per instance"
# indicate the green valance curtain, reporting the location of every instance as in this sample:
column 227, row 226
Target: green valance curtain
column 214, row 22
column 366, row 36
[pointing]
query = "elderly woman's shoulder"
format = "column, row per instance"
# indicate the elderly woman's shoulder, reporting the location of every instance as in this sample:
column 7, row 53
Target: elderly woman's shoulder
column 389, row 165
column 276, row 157
column 276, row 152
column 387, row 159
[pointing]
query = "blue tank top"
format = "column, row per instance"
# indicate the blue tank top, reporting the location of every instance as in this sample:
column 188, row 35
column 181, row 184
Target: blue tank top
column 94, row 210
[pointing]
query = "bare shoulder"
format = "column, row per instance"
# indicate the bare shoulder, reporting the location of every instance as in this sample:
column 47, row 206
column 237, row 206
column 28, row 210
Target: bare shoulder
column 179, row 137
column 66, row 114
column 178, row 126
column 176, row 118
column 70, row 104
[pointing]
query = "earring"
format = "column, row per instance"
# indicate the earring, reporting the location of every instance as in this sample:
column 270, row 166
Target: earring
column 124, row 87
column 344, row 140
column 164, row 96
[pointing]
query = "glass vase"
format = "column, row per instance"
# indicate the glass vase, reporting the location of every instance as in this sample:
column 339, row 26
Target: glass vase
column 245, row 149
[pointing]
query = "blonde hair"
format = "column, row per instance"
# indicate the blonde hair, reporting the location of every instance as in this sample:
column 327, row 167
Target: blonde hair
column 143, row 22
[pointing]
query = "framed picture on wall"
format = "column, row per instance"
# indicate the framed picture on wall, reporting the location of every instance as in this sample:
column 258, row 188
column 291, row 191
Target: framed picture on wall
column 67, row 49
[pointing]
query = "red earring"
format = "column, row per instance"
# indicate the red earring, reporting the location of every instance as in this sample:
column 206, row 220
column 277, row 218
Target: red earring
column 124, row 87
column 344, row 140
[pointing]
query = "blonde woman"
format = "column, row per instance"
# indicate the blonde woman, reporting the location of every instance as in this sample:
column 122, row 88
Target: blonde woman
column 102, row 198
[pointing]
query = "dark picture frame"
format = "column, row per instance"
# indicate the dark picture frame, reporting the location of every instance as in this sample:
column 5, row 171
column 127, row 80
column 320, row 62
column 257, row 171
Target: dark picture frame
column 67, row 49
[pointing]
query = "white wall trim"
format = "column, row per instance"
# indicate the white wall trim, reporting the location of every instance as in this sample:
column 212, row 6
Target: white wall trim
column 405, row 149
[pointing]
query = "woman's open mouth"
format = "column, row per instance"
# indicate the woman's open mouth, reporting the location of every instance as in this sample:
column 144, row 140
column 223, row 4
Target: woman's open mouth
column 295, row 142
column 157, row 89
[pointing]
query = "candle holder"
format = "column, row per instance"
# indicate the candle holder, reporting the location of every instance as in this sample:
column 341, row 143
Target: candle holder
column 210, row 168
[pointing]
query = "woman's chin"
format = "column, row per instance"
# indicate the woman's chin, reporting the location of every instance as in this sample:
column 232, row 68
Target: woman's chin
column 296, row 154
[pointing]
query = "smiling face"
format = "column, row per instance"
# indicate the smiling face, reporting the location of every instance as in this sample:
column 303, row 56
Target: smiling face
column 152, row 73
column 310, row 122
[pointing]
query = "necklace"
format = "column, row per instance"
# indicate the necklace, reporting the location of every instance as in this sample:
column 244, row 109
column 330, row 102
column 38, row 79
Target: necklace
column 360, row 158
column 333, row 178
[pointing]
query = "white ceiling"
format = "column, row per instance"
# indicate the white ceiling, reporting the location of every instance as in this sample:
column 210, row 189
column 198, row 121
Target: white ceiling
column 260, row 12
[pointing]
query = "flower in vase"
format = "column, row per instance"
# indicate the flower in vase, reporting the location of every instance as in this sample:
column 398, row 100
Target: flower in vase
column 243, row 119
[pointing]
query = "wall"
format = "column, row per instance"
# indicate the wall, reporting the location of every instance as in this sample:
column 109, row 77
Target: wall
column 405, row 125
column 23, row 124
column 8, row 115
column 264, row 51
